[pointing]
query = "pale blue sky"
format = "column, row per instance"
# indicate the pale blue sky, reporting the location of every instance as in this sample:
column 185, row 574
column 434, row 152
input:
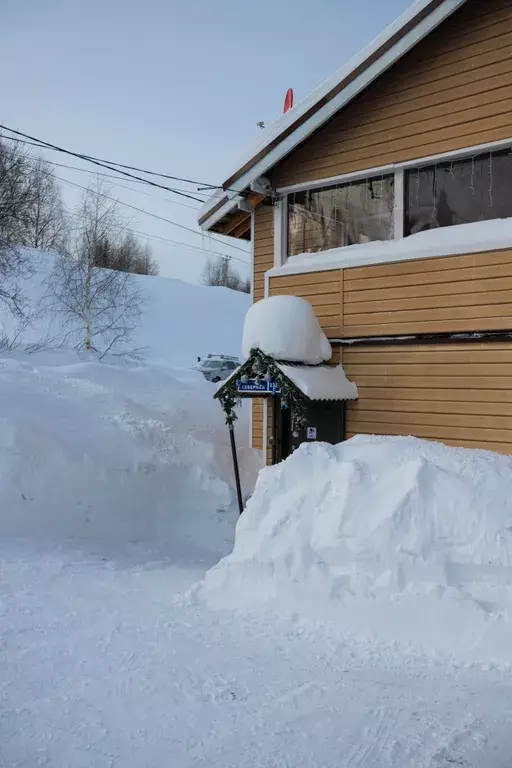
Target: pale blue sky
column 171, row 85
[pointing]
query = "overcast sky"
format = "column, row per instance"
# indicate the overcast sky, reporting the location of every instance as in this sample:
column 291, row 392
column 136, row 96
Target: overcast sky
column 176, row 86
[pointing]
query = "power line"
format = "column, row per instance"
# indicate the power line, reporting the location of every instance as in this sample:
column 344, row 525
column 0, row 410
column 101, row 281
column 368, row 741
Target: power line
column 185, row 245
column 104, row 175
column 123, row 186
column 102, row 164
column 153, row 215
column 98, row 160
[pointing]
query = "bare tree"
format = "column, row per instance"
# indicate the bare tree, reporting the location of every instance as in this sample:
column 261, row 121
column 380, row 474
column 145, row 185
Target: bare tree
column 221, row 273
column 131, row 256
column 16, row 197
column 98, row 308
column 45, row 226
column 16, row 193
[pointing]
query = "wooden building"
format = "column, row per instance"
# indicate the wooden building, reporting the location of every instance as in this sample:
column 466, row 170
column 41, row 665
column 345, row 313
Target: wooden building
column 385, row 199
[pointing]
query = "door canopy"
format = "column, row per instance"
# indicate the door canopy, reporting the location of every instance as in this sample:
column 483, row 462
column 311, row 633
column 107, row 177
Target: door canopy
column 263, row 376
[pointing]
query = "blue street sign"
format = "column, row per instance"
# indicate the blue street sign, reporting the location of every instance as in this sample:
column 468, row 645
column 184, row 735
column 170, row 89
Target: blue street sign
column 258, row 387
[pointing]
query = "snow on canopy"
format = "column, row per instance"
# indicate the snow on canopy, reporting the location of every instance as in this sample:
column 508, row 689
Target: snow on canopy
column 322, row 382
column 285, row 328
column 399, row 537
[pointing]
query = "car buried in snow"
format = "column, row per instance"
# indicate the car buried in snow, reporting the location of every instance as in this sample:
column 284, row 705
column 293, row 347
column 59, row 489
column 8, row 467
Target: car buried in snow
column 216, row 368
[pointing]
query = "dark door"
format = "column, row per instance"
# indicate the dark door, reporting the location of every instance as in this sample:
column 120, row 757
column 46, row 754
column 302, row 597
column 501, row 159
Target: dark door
column 326, row 423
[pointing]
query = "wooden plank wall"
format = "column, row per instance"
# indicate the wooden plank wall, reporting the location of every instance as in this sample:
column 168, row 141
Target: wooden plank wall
column 263, row 261
column 263, row 248
column 257, row 423
column 324, row 290
column 450, row 92
column 460, row 394
column 449, row 294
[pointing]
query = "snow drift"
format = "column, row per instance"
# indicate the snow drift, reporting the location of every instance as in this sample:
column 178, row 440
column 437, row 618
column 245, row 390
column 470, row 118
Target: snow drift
column 122, row 458
column 285, row 328
column 395, row 535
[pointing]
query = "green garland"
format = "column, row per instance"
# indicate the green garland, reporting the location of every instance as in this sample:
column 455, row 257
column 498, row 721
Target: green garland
column 229, row 396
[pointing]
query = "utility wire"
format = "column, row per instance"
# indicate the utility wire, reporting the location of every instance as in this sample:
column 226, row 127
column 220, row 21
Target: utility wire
column 102, row 164
column 153, row 215
column 104, row 175
column 184, row 245
column 98, row 160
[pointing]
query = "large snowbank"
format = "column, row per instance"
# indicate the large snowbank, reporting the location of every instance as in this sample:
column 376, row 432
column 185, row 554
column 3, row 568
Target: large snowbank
column 124, row 457
column 119, row 459
column 399, row 536
column 286, row 328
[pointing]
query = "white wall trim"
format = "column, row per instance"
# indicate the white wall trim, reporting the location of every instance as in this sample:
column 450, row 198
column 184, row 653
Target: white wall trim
column 457, row 154
column 280, row 208
column 251, row 257
column 266, row 293
column 399, row 205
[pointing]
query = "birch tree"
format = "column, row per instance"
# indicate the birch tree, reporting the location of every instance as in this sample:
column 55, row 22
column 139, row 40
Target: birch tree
column 98, row 308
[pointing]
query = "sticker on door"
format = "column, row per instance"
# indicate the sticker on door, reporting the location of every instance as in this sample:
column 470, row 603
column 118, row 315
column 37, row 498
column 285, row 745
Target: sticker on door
column 311, row 433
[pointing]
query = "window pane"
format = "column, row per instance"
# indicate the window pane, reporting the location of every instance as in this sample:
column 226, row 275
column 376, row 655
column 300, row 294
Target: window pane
column 473, row 189
column 340, row 215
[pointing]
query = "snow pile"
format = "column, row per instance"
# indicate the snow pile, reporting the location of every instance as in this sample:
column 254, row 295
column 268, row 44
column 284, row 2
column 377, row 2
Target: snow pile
column 389, row 535
column 285, row 328
column 124, row 458
column 119, row 459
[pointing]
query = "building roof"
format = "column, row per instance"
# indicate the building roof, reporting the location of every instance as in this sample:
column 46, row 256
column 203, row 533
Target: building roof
column 292, row 128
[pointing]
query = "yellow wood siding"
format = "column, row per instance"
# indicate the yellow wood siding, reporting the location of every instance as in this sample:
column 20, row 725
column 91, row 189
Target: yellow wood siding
column 263, row 248
column 449, row 294
column 453, row 90
column 322, row 289
column 257, row 423
column 460, row 394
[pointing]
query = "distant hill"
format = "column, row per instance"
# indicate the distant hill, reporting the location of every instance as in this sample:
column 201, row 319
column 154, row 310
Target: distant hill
column 180, row 321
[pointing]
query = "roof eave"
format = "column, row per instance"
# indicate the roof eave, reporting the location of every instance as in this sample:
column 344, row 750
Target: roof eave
column 378, row 58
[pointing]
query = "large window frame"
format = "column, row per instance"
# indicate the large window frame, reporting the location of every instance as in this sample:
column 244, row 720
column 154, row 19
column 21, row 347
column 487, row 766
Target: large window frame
column 399, row 211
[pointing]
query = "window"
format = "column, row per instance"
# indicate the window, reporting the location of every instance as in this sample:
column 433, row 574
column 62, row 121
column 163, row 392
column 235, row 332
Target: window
column 458, row 192
column 339, row 215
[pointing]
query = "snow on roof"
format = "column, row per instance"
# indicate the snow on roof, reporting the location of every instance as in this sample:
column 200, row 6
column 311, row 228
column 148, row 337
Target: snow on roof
column 285, row 328
column 361, row 61
column 321, row 382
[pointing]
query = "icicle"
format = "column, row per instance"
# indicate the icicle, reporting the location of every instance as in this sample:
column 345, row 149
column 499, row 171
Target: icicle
column 434, row 195
column 490, row 180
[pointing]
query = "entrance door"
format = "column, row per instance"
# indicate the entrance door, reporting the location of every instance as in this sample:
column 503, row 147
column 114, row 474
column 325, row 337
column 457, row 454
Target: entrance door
column 326, row 423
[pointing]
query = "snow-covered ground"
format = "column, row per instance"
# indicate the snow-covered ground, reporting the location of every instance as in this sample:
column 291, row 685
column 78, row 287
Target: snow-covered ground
column 116, row 499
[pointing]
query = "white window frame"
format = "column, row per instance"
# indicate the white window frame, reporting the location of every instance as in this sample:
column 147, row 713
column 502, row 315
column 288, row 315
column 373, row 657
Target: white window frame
column 397, row 169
